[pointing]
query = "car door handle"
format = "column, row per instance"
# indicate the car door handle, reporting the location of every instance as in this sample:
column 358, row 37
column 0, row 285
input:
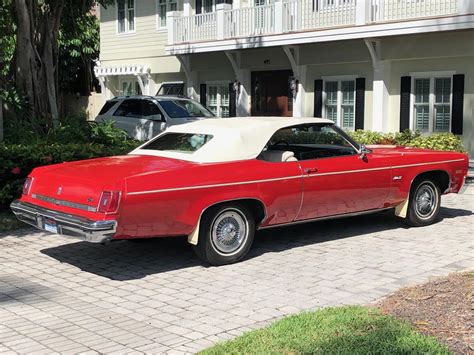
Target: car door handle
column 310, row 170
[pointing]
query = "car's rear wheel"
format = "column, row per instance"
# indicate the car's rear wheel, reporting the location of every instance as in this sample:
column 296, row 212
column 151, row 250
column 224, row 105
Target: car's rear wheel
column 226, row 234
column 424, row 204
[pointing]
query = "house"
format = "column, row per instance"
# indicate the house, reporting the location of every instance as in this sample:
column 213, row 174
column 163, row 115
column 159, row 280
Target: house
column 382, row 65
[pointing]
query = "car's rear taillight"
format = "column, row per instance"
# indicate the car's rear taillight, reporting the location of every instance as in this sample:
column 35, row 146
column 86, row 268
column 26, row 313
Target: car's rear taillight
column 109, row 201
column 27, row 185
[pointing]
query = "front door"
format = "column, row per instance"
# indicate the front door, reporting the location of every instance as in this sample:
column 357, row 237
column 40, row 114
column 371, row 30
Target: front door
column 336, row 179
column 270, row 93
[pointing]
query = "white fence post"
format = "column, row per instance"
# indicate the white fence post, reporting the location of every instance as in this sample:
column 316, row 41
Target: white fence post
column 221, row 25
column 279, row 16
column 465, row 7
column 170, row 24
column 362, row 14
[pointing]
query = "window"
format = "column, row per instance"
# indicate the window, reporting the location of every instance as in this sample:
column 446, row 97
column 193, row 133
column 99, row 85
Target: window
column 125, row 16
column 179, row 142
column 431, row 103
column 107, row 106
column 312, row 141
column 218, row 99
column 130, row 87
column 164, row 6
column 208, row 6
column 129, row 108
column 136, row 108
column 182, row 108
column 173, row 89
column 340, row 102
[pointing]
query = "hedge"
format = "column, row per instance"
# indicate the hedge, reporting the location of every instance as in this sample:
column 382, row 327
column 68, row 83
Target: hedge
column 17, row 161
column 437, row 141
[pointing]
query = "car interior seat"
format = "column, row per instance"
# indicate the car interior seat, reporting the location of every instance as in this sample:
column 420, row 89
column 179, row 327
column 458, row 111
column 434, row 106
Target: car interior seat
column 278, row 156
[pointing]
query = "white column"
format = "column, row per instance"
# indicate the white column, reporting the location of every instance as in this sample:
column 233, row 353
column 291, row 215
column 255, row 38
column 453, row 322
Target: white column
column 221, row 25
column 170, row 25
column 298, row 101
column 380, row 96
column 187, row 8
column 243, row 100
column 191, row 85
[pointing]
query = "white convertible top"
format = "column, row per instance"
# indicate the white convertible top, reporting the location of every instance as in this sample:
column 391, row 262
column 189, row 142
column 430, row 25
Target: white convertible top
column 233, row 139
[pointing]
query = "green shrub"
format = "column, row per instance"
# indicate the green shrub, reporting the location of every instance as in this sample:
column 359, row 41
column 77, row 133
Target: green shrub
column 17, row 160
column 437, row 141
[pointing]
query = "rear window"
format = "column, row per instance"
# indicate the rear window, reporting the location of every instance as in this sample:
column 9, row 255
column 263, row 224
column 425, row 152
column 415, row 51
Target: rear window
column 179, row 142
column 108, row 105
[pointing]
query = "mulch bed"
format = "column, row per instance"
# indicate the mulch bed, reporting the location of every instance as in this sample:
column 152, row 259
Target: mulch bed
column 443, row 308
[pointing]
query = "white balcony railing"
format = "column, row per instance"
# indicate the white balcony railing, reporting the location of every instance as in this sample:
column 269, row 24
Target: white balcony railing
column 388, row 10
column 202, row 27
column 284, row 16
column 308, row 14
column 249, row 21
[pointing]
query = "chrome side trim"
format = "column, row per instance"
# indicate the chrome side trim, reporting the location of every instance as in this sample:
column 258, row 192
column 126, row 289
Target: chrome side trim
column 285, row 178
column 64, row 203
column 353, row 214
column 95, row 231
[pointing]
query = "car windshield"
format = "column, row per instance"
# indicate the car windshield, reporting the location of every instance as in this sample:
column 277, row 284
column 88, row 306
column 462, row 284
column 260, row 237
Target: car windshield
column 181, row 108
column 178, row 142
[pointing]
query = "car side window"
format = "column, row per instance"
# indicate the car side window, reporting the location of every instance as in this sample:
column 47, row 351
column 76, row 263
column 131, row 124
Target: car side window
column 107, row 106
column 149, row 108
column 312, row 141
column 130, row 108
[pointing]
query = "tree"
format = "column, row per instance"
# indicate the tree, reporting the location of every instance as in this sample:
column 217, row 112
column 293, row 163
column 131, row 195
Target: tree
column 38, row 24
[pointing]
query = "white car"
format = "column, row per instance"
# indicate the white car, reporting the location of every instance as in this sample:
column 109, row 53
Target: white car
column 143, row 117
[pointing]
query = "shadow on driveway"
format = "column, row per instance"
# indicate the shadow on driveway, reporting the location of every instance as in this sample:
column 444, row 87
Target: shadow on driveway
column 129, row 260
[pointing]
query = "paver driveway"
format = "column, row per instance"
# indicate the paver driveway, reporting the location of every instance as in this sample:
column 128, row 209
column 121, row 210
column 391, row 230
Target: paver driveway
column 57, row 294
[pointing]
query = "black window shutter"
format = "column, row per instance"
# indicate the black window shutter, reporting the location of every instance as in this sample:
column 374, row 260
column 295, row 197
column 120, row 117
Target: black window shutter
column 198, row 6
column 458, row 104
column 202, row 94
column 360, row 103
column 405, row 90
column 232, row 98
column 318, row 98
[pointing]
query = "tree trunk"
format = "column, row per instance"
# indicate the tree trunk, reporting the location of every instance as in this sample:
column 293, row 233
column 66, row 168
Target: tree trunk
column 37, row 57
column 1, row 120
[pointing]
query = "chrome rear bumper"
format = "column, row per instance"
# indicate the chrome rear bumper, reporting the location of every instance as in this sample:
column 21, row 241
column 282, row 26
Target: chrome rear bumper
column 67, row 224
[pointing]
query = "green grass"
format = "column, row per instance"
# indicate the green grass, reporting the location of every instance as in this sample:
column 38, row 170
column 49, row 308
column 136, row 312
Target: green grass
column 344, row 330
column 8, row 222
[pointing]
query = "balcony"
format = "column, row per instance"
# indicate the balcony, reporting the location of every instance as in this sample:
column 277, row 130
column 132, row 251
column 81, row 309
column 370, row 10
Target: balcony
column 247, row 27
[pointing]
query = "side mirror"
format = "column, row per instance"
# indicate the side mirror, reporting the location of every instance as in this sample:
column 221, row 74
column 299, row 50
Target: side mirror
column 363, row 151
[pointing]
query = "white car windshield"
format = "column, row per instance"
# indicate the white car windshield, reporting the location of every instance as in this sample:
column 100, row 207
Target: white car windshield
column 181, row 108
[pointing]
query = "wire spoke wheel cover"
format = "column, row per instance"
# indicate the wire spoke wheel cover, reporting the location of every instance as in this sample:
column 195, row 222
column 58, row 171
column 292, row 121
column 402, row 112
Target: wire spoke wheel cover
column 229, row 231
column 426, row 201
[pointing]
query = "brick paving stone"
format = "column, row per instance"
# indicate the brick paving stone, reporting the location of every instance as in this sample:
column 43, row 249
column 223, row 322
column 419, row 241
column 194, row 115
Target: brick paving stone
column 58, row 295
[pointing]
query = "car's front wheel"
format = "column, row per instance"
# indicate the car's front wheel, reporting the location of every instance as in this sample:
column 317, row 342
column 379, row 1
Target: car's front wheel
column 226, row 234
column 424, row 204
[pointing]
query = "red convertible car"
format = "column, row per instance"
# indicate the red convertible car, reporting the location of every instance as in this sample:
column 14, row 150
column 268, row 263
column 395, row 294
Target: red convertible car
column 219, row 180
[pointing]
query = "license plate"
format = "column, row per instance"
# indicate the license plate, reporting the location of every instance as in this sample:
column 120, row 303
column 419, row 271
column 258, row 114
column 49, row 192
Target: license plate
column 50, row 226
